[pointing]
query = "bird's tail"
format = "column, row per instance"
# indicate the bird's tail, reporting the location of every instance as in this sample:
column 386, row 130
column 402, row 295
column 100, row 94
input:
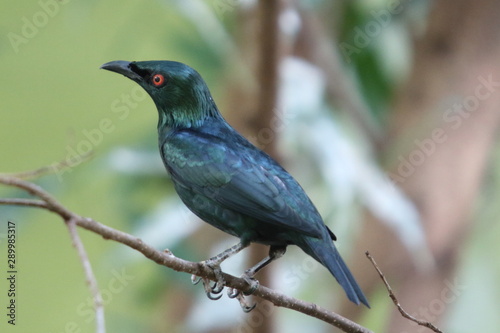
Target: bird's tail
column 326, row 253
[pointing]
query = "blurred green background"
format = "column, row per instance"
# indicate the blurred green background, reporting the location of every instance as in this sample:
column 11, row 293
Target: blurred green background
column 54, row 100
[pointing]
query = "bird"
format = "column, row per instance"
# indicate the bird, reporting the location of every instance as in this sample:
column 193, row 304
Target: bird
column 228, row 182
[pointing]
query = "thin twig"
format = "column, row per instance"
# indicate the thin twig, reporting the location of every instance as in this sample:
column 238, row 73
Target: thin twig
column 89, row 276
column 166, row 258
column 52, row 204
column 48, row 169
column 396, row 302
column 24, row 202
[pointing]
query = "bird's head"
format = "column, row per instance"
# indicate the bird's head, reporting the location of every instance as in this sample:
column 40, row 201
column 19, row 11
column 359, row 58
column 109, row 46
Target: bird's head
column 180, row 94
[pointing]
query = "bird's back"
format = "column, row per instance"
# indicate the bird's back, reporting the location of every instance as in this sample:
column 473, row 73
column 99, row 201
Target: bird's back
column 218, row 166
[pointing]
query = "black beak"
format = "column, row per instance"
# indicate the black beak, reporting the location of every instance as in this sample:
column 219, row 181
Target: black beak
column 122, row 67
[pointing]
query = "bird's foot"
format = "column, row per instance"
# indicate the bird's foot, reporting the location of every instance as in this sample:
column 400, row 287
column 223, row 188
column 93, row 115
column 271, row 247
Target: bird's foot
column 213, row 291
column 254, row 284
column 240, row 296
column 234, row 293
column 220, row 283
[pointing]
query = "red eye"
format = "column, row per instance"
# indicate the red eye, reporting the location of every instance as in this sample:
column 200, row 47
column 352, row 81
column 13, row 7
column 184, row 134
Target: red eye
column 158, row 80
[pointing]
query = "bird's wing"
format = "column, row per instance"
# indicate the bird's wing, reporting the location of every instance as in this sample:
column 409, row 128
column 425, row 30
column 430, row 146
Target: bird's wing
column 244, row 180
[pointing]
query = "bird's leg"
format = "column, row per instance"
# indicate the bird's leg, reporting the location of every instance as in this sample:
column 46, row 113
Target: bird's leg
column 215, row 261
column 214, row 264
column 275, row 252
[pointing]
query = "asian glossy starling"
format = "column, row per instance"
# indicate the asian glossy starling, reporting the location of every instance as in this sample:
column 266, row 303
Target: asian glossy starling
column 225, row 180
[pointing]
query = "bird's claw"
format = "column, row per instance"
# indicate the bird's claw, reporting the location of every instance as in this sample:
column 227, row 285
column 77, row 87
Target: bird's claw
column 243, row 303
column 213, row 291
column 235, row 293
column 220, row 283
column 240, row 296
column 254, row 285
column 210, row 291
column 218, row 287
column 232, row 293
column 195, row 279
column 211, row 295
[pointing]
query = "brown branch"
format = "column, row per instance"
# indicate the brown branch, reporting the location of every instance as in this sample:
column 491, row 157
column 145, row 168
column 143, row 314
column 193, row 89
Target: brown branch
column 89, row 275
column 51, row 203
column 396, row 302
column 166, row 258
column 24, row 202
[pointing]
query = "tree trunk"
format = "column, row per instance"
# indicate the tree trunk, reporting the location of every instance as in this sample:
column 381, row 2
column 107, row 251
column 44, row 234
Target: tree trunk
column 444, row 124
